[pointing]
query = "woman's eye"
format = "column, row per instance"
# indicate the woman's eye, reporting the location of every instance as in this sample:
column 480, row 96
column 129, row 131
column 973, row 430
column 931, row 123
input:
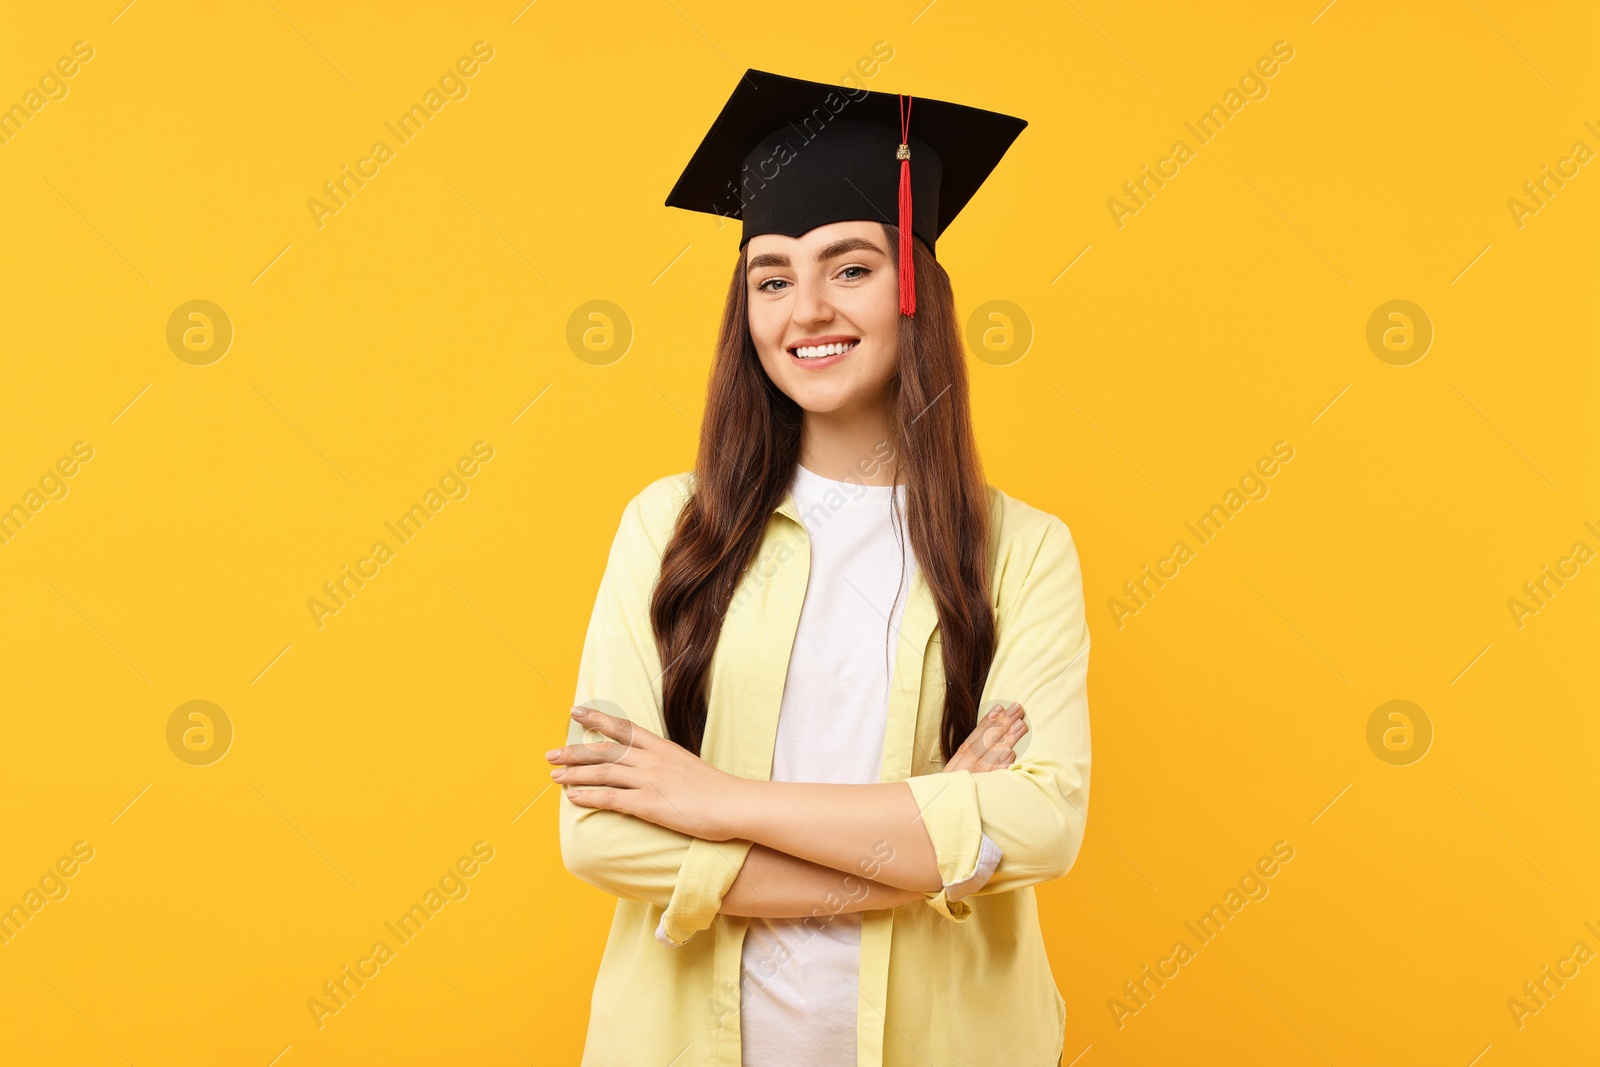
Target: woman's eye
column 773, row 285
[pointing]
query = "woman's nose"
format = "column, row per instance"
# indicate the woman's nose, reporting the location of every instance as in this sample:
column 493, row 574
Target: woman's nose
column 811, row 305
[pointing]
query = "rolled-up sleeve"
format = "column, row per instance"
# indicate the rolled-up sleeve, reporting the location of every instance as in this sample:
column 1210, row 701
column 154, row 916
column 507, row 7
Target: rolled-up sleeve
column 1035, row 811
column 620, row 674
column 989, row 856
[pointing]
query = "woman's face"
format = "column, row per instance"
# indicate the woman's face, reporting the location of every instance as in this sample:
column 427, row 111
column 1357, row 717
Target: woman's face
column 834, row 285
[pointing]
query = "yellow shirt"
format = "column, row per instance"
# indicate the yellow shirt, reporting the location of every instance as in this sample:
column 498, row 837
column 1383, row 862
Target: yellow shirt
column 942, row 982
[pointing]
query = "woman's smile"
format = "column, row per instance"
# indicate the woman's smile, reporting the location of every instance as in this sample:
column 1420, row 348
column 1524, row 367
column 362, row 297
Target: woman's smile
column 818, row 352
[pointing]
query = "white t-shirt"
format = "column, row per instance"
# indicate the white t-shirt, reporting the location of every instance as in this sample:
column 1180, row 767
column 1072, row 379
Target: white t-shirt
column 799, row 977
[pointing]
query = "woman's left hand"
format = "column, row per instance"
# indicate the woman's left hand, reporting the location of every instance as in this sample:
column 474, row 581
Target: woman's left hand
column 648, row 776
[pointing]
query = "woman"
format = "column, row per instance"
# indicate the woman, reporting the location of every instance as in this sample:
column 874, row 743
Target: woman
column 793, row 644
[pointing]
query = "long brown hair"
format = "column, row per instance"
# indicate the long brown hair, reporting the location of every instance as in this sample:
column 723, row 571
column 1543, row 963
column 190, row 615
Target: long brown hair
column 749, row 446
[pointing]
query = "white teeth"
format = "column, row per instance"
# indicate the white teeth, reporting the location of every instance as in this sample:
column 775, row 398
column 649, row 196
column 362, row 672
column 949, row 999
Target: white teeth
column 818, row 351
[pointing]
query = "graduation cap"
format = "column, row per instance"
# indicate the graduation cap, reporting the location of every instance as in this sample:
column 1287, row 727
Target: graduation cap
column 787, row 155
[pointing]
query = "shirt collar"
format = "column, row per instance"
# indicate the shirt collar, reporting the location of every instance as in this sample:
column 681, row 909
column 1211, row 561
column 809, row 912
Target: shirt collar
column 787, row 506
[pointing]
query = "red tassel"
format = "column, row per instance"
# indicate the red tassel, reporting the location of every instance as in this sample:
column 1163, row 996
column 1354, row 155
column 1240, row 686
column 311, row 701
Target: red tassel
column 908, row 280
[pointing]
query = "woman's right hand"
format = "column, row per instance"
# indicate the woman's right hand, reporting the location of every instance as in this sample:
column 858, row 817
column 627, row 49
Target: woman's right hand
column 992, row 744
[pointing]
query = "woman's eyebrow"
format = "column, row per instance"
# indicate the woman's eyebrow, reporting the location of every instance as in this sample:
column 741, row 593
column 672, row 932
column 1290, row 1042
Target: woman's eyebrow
column 837, row 248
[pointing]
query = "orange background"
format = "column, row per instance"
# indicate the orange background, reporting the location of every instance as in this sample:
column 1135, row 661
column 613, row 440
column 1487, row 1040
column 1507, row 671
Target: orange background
column 1164, row 357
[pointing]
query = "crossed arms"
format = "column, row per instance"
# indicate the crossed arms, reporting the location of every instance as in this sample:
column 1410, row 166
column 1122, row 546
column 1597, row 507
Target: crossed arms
column 676, row 832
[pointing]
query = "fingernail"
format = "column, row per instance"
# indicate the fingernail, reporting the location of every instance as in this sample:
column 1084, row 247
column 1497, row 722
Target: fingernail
column 577, row 713
column 557, row 772
column 1016, row 727
column 552, row 754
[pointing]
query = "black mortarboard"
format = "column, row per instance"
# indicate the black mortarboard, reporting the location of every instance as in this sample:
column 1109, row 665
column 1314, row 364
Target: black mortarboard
column 787, row 155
